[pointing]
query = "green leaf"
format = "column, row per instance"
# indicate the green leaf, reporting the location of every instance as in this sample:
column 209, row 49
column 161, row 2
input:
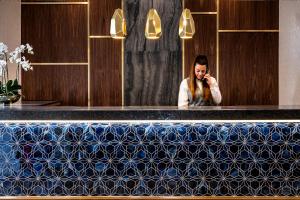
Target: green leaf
column 15, row 85
column 12, row 87
column 9, row 84
column 1, row 90
column 15, row 82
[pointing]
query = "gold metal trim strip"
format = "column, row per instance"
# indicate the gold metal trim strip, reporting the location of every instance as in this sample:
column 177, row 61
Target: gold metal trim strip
column 122, row 62
column 43, row 64
column 89, row 54
column 157, row 197
column 99, row 36
column 183, row 58
column 54, row 3
column 241, row 31
column 218, row 44
column 130, row 122
column 183, row 50
column 204, row 13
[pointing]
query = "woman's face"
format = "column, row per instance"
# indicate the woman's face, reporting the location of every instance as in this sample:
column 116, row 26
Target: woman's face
column 200, row 71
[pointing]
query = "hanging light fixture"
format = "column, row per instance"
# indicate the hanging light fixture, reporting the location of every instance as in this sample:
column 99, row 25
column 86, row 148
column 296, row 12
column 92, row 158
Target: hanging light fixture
column 186, row 25
column 153, row 25
column 118, row 25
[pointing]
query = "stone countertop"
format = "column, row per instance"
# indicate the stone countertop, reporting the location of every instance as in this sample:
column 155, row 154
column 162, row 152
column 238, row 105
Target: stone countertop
column 21, row 112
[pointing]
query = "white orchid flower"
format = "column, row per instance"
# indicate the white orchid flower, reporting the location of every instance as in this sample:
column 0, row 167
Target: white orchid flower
column 2, row 65
column 25, row 64
column 3, row 48
column 22, row 48
column 18, row 60
column 17, row 50
column 14, row 57
column 29, row 49
column 11, row 59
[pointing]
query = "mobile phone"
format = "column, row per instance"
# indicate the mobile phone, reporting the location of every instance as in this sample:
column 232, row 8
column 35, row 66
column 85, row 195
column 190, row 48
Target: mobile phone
column 207, row 72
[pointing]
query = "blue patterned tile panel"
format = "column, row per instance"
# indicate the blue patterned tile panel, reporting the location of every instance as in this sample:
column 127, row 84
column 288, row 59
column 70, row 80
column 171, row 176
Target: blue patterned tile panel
column 116, row 159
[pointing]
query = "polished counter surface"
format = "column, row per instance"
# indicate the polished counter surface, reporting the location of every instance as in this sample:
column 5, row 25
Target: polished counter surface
column 21, row 112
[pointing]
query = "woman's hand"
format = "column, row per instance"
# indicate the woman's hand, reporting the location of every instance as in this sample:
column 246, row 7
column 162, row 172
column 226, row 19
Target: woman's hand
column 209, row 79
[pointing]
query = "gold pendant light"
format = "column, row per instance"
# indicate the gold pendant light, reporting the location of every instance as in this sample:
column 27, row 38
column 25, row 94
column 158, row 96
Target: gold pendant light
column 186, row 25
column 118, row 25
column 153, row 25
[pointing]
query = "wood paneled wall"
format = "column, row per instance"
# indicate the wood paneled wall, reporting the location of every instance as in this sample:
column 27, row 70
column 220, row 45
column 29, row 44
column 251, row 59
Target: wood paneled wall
column 249, row 60
column 204, row 42
column 106, row 72
column 249, row 15
column 240, row 39
column 201, row 5
column 51, row 82
column 100, row 15
column 249, row 68
column 54, row 0
column 75, row 60
column 58, row 34
column 105, row 55
column 78, row 63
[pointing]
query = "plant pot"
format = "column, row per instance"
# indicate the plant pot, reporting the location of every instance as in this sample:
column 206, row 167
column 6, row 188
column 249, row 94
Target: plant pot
column 9, row 99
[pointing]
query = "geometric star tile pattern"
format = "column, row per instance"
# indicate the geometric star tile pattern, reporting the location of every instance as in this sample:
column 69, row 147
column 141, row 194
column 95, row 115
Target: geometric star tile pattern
column 142, row 159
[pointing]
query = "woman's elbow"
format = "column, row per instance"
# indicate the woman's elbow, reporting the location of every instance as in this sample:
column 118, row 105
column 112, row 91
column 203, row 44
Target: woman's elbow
column 219, row 100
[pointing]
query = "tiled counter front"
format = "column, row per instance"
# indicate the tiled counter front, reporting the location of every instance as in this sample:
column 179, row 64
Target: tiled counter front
column 141, row 159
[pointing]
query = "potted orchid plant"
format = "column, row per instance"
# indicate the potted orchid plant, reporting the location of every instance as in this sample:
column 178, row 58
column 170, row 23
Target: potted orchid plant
column 10, row 88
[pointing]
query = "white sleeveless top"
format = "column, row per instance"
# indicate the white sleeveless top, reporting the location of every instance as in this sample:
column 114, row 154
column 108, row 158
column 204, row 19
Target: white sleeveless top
column 185, row 96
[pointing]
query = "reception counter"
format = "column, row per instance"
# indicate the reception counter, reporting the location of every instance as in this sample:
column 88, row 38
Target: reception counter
column 149, row 151
column 149, row 113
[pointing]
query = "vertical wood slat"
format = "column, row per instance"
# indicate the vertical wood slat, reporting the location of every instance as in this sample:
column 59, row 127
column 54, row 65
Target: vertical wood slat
column 260, row 15
column 201, row 5
column 67, row 84
column 249, row 68
column 54, row 0
column 58, row 33
column 203, row 42
column 241, row 14
column 105, row 56
column 106, row 84
column 101, row 12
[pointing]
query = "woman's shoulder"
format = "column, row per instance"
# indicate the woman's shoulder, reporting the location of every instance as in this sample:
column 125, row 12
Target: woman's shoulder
column 184, row 83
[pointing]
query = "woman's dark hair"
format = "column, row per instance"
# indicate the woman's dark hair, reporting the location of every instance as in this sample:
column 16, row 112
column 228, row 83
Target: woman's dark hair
column 201, row 60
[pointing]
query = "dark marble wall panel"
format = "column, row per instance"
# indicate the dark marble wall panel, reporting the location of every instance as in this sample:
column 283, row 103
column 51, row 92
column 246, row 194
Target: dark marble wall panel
column 106, row 72
column 67, row 84
column 152, row 67
column 201, row 5
column 249, row 68
column 255, row 14
column 58, row 33
column 203, row 42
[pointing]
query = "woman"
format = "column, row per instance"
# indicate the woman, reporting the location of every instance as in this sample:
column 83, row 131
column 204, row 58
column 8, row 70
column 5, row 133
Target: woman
column 200, row 89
